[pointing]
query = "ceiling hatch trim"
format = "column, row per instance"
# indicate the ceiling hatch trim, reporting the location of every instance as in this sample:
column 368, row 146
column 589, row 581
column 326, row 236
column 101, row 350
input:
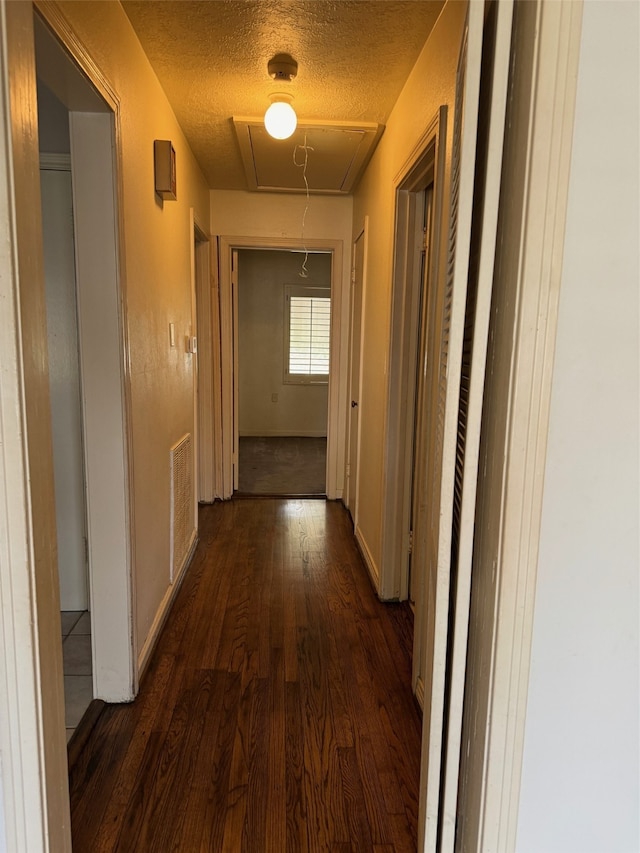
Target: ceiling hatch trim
column 338, row 153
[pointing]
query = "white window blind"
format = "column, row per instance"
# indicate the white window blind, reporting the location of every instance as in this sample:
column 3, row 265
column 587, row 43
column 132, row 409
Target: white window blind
column 308, row 326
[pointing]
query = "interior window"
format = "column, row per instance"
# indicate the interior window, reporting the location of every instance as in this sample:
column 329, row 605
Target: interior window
column 307, row 328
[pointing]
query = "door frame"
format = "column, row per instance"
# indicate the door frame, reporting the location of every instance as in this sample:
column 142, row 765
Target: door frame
column 351, row 483
column 529, row 270
column 206, row 324
column 428, row 155
column 35, row 796
column 337, row 406
column 104, row 363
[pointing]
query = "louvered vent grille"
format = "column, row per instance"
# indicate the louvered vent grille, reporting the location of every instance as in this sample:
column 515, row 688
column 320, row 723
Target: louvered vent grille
column 182, row 527
column 467, row 345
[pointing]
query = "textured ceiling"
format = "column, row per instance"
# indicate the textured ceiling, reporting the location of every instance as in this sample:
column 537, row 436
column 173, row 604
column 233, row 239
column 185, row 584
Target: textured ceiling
column 211, row 59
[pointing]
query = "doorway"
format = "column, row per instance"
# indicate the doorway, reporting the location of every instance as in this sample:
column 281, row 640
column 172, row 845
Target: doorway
column 77, row 123
column 331, row 252
column 419, row 214
column 419, row 206
column 282, row 307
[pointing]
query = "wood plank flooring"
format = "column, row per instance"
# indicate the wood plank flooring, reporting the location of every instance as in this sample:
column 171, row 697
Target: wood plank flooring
column 276, row 714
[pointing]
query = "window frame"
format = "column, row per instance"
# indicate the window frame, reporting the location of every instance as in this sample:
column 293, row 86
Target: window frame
column 306, row 291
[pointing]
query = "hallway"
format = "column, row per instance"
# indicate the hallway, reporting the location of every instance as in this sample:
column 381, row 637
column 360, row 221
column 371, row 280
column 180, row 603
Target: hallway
column 277, row 711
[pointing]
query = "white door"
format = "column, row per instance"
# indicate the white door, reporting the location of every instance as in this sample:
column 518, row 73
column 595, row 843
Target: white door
column 472, row 380
column 236, row 376
column 64, row 381
column 357, row 301
column 421, row 415
column 454, row 382
column 432, row 538
column 204, row 325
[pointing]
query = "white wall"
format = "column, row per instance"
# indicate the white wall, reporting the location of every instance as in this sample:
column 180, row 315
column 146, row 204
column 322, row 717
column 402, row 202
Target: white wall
column 580, row 775
column 299, row 409
column 64, row 384
column 3, row 837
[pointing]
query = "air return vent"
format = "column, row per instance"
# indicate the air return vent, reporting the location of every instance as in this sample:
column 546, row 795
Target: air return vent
column 182, row 526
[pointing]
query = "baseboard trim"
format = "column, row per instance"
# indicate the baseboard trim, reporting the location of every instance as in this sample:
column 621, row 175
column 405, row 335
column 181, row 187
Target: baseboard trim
column 162, row 613
column 370, row 563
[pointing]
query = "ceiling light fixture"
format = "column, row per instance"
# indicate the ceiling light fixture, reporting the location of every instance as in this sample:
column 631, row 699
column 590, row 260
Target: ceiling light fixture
column 280, row 119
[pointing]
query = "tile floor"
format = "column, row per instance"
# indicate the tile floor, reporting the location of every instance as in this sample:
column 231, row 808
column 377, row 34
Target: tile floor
column 76, row 659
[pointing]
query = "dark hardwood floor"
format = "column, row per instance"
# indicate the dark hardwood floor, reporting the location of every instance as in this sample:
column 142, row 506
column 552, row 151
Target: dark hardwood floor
column 276, row 714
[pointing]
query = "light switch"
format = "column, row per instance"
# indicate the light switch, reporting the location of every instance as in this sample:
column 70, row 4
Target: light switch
column 172, row 334
column 274, row 398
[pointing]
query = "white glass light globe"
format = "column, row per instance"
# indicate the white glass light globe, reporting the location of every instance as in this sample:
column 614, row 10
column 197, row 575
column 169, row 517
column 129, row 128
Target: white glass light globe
column 280, row 120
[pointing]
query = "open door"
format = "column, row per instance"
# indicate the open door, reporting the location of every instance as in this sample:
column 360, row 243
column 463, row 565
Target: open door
column 228, row 445
column 357, row 303
column 236, row 377
column 423, row 234
column 456, row 356
column 493, row 98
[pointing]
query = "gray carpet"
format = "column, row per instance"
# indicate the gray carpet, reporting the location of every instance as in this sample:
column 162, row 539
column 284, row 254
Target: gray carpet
column 282, row 466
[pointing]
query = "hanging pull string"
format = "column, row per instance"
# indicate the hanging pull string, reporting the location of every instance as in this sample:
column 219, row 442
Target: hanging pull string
column 303, row 165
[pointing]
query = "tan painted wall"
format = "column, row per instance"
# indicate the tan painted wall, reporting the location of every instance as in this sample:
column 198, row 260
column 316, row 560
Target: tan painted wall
column 299, row 409
column 245, row 214
column 430, row 85
column 158, row 285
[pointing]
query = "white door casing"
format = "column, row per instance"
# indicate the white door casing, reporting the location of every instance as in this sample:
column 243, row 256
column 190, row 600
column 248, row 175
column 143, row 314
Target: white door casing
column 32, row 733
column 425, row 164
column 228, row 395
column 358, row 283
column 536, row 168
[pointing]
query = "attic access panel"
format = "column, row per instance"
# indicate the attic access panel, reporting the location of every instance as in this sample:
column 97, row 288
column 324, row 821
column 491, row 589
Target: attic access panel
column 337, row 155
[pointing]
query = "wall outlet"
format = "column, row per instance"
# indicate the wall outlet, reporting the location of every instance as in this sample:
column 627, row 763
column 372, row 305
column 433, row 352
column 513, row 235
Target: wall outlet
column 274, row 398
